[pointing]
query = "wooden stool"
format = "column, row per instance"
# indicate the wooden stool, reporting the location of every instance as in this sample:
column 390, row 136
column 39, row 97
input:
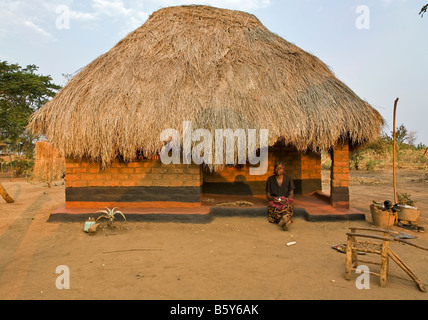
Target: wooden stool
column 380, row 247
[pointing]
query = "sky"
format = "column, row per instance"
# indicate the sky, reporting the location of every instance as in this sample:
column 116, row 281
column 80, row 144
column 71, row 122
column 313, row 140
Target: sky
column 379, row 48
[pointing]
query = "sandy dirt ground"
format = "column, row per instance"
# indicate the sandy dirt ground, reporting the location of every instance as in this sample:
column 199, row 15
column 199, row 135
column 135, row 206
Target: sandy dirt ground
column 233, row 258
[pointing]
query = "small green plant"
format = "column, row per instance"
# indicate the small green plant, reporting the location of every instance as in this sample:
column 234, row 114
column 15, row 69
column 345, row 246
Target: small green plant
column 371, row 164
column 355, row 159
column 110, row 215
column 405, row 199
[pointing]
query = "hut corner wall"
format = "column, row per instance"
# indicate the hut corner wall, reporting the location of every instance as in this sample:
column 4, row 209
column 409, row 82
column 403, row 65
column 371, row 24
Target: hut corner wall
column 339, row 190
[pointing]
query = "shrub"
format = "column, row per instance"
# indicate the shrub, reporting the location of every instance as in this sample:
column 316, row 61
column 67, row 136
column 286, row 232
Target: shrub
column 355, row 159
column 19, row 167
column 371, row 164
column 405, row 199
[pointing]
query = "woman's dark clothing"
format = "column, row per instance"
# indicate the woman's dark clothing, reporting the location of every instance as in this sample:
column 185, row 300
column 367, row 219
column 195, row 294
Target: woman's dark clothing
column 275, row 190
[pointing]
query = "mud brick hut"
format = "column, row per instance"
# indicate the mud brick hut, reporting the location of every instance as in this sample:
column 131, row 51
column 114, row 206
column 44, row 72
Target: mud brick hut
column 219, row 69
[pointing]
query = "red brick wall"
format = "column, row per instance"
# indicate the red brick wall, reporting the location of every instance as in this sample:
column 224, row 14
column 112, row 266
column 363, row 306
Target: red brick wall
column 339, row 179
column 310, row 166
column 145, row 173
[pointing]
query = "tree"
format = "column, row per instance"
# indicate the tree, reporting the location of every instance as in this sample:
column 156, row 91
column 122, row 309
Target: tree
column 424, row 10
column 411, row 138
column 401, row 134
column 22, row 92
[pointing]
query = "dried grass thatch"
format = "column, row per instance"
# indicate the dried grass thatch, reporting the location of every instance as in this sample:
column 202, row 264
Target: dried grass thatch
column 218, row 68
column 49, row 165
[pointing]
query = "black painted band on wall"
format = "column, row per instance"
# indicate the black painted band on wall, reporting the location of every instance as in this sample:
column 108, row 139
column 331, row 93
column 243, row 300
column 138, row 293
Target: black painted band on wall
column 340, row 194
column 307, row 186
column 134, row 194
column 248, row 188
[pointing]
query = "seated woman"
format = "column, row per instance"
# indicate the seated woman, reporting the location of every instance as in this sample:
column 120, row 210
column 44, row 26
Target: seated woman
column 280, row 193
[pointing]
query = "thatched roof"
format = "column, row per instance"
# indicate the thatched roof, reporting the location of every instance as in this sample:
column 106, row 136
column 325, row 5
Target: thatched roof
column 218, row 68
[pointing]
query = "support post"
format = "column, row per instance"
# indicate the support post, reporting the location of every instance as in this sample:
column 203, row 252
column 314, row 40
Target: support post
column 394, row 155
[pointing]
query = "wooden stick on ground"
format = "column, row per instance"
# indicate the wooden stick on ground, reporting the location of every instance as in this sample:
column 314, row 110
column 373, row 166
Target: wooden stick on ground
column 406, row 269
column 411, row 244
column 5, row 195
